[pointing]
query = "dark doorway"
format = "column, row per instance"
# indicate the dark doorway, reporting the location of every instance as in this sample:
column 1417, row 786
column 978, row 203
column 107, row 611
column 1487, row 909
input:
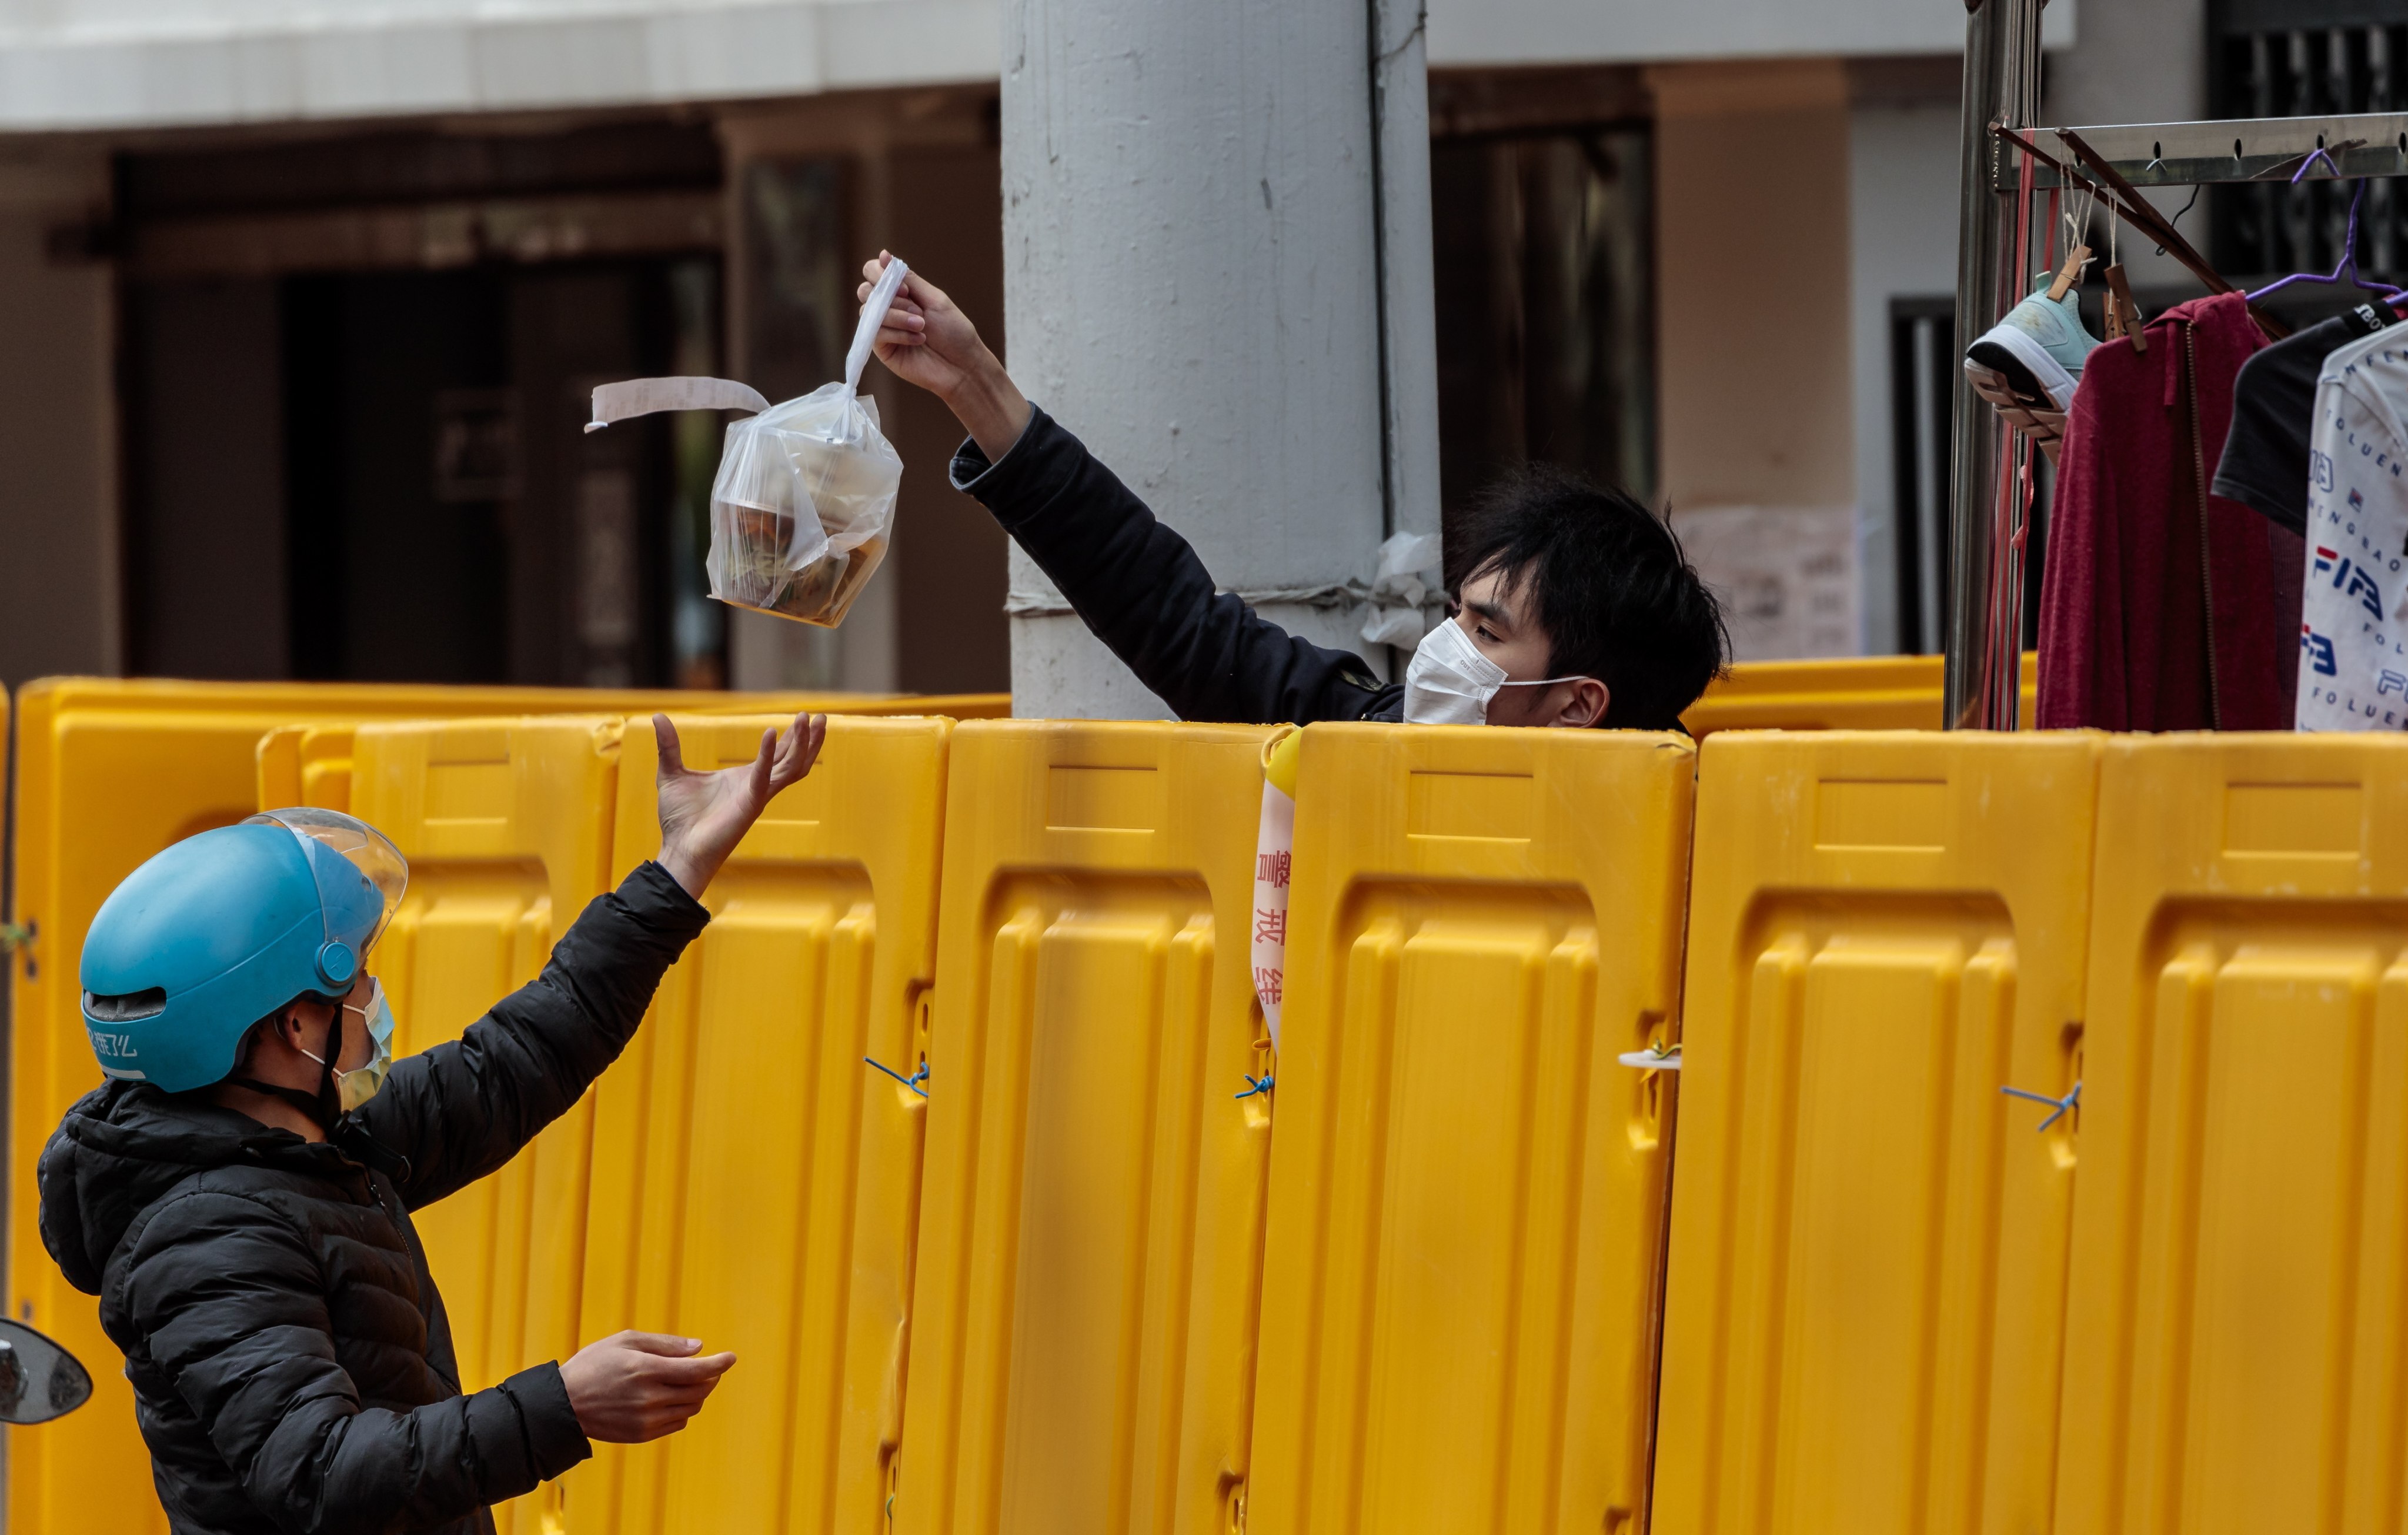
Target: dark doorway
column 444, row 516
column 356, row 372
column 395, row 574
column 1545, row 297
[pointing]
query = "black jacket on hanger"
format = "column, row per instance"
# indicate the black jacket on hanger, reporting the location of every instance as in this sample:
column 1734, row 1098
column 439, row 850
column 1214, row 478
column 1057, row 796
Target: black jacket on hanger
column 2265, row 465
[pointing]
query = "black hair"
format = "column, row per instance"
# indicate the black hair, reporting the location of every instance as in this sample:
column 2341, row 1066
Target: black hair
column 1619, row 598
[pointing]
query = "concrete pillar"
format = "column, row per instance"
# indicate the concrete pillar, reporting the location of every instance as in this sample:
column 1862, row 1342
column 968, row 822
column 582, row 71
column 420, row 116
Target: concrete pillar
column 1216, row 272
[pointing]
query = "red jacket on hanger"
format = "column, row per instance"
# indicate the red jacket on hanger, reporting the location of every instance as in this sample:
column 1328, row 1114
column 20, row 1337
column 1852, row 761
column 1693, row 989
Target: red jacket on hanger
column 2145, row 564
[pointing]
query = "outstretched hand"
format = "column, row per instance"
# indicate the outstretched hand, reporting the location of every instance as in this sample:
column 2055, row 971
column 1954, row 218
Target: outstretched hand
column 927, row 340
column 704, row 815
column 634, row 1386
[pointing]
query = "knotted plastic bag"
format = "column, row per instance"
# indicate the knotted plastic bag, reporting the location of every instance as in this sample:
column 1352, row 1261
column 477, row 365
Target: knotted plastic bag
column 803, row 506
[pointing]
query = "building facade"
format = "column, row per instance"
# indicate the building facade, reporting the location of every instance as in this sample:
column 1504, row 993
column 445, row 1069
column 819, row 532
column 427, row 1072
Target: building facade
column 300, row 305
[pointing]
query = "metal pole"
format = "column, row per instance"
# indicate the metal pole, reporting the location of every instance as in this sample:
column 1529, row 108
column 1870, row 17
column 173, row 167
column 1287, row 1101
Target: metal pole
column 2001, row 86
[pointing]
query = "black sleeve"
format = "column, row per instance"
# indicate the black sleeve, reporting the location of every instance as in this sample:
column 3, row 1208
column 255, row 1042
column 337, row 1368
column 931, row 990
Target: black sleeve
column 1141, row 589
column 2265, row 463
column 232, row 1303
column 461, row 1110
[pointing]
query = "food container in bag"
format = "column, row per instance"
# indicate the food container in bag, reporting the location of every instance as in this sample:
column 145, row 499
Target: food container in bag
column 803, row 506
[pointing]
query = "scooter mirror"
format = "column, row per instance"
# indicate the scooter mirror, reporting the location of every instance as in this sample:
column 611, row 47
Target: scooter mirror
column 39, row 1380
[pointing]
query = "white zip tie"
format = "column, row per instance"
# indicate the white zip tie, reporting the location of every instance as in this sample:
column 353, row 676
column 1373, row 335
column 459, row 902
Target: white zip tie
column 1655, row 1057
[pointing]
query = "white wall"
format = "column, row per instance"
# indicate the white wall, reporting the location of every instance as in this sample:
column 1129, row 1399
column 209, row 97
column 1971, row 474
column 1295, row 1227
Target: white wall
column 1505, row 32
column 92, row 63
column 1751, row 260
column 2140, row 61
column 1903, row 243
column 101, row 64
column 1752, row 341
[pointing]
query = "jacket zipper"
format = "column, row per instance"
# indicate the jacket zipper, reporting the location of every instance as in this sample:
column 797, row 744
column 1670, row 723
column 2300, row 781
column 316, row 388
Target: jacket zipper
column 389, row 1209
column 2199, row 484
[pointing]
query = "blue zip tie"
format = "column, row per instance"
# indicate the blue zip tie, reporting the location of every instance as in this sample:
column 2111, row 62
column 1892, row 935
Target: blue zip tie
column 912, row 1082
column 1255, row 1085
column 2063, row 1105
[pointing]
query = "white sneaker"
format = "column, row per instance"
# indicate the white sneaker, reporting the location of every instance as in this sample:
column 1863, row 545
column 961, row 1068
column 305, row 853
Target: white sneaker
column 2028, row 364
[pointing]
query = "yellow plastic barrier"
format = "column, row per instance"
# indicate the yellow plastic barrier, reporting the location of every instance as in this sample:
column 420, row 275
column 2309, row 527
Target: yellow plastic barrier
column 1868, row 1240
column 306, row 765
column 1090, row 1235
column 1849, row 693
column 754, row 1184
column 507, row 826
column 109, row 772
column 2234, row 1343
column 1467, row 1188
column 311, row 764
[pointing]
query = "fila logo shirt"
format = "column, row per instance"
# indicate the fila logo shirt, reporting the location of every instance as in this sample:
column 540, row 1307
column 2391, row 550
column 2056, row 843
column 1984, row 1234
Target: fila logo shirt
column 2354, row 602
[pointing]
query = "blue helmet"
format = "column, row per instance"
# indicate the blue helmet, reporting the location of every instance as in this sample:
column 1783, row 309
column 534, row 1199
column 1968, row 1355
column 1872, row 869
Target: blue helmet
column 221, row 930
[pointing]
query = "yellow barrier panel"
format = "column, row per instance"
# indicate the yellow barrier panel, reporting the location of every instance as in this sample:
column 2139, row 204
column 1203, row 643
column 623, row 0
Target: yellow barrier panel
column 1083, row 1301
column 1868, row 1240
column 109, row 772
column 2235, row 1338
column 1849, row 693
column 306, row 765
column 1467, row 1188
column 507, row 826
column 311, row 764
column 755, row 1185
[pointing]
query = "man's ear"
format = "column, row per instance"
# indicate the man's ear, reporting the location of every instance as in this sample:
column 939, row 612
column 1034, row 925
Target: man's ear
column 1589, row 700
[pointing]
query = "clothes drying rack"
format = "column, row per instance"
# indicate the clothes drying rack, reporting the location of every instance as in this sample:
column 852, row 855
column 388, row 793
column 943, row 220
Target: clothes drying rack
column 1989, row 467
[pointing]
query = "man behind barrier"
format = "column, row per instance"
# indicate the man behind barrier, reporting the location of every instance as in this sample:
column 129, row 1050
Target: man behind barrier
column 1570, row 604
column 238, row 1192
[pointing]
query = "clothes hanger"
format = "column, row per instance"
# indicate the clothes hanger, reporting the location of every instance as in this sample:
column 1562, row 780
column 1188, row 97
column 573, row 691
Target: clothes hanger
column 2137, row 210
column 2126, row 206
column 2346, row 270
column 2077, row 233
column 2123, row 315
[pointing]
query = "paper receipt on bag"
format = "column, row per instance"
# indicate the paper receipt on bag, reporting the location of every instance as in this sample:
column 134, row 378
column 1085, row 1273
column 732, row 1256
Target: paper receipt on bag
column 616, row 402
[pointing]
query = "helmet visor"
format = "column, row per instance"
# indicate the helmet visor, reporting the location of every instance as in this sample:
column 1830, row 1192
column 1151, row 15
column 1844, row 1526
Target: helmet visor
column 360, row 886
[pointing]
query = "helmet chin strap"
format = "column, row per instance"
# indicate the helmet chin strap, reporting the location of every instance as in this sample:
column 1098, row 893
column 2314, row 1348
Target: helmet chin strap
column 324, row 1109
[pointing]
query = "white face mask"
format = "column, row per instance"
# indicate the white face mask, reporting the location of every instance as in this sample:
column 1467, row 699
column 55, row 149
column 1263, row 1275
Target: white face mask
column 1448, row 681
column 362, row 1082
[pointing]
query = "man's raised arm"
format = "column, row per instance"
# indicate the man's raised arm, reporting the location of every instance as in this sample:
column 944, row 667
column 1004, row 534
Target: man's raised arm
column 1135, row 584
column 461, row 1110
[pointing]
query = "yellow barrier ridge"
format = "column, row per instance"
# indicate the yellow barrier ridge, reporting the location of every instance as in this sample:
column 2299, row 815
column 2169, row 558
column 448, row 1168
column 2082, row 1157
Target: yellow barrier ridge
column 2235, row 1328
column 1864, row 1300
column 1467, row 1187
column 753, row 1185
column 1090, row 1236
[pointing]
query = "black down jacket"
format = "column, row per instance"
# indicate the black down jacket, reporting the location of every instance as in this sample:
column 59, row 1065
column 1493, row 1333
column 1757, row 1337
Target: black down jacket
column 291, row 1361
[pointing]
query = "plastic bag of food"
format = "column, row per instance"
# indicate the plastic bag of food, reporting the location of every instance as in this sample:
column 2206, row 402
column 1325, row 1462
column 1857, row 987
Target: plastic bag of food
column 803, row 506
